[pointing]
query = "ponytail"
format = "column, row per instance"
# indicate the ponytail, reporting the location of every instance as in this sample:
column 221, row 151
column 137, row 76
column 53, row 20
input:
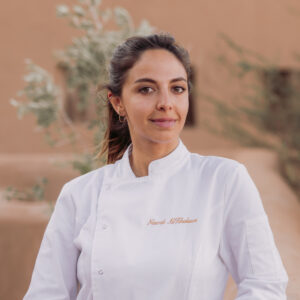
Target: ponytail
column 116, row 138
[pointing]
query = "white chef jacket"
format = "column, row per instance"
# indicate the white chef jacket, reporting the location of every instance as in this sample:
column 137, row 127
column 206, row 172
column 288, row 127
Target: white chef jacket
column 173, row 234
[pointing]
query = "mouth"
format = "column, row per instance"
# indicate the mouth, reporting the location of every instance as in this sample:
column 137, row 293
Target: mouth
column 164, row 122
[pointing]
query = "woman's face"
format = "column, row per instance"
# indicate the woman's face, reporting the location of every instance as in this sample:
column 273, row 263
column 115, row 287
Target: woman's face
column 155, row 97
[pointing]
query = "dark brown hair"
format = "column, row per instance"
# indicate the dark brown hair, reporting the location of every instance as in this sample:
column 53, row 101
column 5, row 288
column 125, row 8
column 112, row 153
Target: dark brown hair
column 117, row 137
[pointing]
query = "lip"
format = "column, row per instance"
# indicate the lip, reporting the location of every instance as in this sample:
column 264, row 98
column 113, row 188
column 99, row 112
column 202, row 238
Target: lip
column 163, row 119
column 164, row 122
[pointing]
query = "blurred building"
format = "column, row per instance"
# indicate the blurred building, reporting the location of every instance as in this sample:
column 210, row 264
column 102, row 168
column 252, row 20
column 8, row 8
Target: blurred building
column 31, row 30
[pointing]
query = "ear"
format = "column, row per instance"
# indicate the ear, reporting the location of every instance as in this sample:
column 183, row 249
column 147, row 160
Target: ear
column 116, row 103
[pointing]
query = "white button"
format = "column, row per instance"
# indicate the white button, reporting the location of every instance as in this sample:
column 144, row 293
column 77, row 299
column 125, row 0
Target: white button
column 104, row 226
column 100, row 272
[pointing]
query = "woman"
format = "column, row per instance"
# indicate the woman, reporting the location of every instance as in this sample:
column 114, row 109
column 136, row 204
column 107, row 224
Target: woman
column 157, row 222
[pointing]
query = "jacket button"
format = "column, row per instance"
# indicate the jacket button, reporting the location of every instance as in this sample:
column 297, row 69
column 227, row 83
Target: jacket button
column 100, row 272
column 104, row 226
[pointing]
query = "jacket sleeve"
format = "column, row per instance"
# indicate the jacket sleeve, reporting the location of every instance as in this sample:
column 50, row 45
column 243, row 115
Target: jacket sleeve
column 54, row 274
column 247, row 244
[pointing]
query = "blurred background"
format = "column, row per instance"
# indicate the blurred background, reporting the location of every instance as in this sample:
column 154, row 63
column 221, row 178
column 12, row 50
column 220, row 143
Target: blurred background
column 245, row 105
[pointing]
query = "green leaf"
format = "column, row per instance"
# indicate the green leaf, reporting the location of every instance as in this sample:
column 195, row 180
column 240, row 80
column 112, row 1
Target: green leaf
column 79, row 11
column 62, row 11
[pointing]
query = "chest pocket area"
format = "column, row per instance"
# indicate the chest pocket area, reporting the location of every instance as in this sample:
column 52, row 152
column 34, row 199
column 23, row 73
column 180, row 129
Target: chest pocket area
column 164, row 252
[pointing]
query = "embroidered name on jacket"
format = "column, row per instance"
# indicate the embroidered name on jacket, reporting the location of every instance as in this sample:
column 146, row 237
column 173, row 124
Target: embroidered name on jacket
column 171, row 221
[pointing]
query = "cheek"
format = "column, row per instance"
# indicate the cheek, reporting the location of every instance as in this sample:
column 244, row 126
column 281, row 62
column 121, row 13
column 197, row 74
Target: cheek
column 183, row 106
column 138, row 111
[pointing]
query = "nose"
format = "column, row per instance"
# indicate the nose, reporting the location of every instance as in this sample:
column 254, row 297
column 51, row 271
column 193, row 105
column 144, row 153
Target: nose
column 164, row 101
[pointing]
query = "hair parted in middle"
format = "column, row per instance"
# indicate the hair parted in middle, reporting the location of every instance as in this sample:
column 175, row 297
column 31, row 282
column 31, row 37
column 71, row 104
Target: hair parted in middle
column 117, row 136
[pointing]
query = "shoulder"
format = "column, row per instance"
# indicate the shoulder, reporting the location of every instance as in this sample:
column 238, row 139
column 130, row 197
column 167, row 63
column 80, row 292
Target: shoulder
column 86, row 182
column 78, row 197
column 211, row 165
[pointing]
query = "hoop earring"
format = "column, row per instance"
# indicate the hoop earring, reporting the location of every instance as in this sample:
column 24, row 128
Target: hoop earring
column 123, row 120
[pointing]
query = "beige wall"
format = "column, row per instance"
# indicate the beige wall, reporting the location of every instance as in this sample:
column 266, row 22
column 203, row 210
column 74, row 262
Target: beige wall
column 30, row 29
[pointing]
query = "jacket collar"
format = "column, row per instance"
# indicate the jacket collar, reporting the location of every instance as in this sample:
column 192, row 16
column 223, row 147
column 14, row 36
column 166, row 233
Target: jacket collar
column 161, row 165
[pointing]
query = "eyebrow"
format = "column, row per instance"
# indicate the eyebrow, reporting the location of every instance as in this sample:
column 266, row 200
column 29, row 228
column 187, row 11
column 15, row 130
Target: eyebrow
column 153, row 81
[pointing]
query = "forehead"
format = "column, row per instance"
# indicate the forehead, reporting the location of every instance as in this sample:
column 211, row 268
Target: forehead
column 157, row 64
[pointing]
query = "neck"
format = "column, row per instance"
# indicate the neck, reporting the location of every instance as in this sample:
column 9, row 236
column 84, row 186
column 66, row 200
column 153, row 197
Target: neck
column 145, row 152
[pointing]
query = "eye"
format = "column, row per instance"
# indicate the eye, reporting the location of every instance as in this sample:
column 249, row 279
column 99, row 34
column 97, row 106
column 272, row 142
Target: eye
column 179, row 89
column 145, row 90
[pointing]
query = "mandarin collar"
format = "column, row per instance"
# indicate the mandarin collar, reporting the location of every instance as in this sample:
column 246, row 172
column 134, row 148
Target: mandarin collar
column 158, row 166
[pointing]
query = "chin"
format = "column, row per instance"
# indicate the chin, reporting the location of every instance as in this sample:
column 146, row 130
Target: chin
column 164, row 138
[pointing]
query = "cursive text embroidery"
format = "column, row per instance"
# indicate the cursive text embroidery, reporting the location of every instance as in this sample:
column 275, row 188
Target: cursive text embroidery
column 171, row 221
column 153, row 222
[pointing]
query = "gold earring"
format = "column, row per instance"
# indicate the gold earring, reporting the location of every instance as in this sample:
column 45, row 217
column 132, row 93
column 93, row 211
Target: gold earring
column 123, row 120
